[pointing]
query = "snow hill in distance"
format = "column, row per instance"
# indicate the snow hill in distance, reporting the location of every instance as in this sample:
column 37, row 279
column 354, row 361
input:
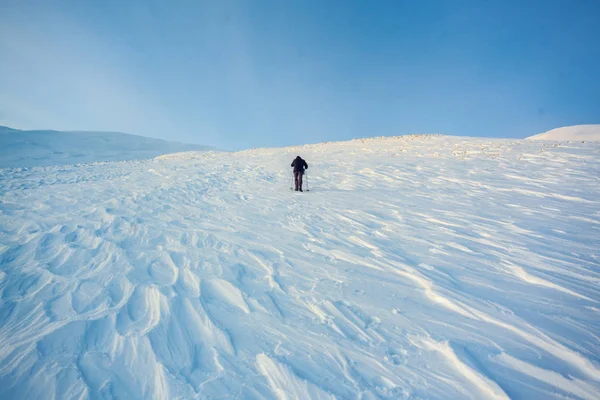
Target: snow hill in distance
column 575, row 132
column 20, row 148
column 417, row 267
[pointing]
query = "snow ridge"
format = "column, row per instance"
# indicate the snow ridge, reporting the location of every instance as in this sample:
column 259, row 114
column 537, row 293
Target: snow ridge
column 570, row 133
column 20, row 149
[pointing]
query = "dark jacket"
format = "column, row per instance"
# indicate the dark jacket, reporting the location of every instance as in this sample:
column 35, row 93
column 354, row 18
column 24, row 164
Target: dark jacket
column 299, row 164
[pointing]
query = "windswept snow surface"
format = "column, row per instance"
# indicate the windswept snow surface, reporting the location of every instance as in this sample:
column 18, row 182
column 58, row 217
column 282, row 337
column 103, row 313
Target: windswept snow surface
column 575, row 132
column 44, row 148
column 421, row 267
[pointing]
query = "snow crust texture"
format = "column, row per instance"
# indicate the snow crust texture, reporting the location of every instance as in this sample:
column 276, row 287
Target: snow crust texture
column 415, row 268
column 569, row 133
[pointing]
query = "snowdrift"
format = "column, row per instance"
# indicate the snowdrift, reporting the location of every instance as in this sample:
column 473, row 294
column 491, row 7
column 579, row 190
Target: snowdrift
column 42, row 148
column 416, row 267
column 575, row 132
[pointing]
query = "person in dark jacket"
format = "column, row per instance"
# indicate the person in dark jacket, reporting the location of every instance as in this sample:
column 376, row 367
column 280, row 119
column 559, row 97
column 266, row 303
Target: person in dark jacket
column 299, row 166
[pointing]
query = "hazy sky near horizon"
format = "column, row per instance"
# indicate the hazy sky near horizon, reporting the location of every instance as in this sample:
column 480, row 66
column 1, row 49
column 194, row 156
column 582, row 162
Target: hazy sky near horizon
column 256, row 73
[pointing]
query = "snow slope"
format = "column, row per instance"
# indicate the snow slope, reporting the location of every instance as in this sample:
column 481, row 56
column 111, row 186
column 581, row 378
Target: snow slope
column 421, row 267
column 575, row 132
column 42, row 148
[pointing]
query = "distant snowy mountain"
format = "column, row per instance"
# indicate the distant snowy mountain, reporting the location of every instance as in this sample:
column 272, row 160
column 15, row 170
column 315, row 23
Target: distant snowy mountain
column 575, row 132
column 417, row 267
column 20, row 148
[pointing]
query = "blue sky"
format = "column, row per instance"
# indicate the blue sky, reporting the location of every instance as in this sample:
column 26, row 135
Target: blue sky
column 240, row 74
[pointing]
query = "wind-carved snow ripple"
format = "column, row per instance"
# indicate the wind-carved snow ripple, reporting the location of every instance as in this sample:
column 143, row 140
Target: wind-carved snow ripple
column 419, row 267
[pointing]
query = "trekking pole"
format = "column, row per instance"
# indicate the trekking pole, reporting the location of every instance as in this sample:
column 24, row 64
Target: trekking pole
column 307, row 189
column 292, row 183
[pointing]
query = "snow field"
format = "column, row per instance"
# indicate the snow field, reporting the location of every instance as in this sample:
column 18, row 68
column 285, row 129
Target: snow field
column 416, row 267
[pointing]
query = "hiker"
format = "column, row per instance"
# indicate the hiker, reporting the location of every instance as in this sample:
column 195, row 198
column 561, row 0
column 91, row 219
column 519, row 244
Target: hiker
column 299, row 166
